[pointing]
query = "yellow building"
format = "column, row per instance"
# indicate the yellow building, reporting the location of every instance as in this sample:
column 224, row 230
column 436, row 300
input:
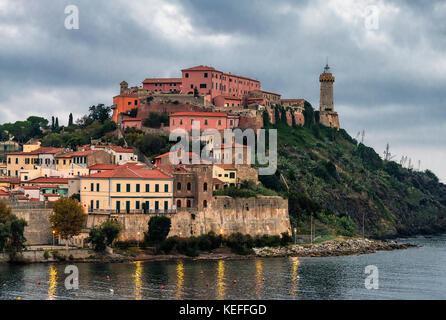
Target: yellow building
column 227, row 173
column 129, row 189
column 31, row 145
column 18, row 161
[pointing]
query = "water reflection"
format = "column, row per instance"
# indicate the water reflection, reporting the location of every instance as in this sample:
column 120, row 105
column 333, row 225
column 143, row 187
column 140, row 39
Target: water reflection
column 137, row 278
column 52, row 283
column 180, row 280
column 221, row 287
column 259, row 277
column 294, row 276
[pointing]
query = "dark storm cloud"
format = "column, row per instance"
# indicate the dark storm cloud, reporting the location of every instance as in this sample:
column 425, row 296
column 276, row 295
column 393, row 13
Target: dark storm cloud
column 389, row 82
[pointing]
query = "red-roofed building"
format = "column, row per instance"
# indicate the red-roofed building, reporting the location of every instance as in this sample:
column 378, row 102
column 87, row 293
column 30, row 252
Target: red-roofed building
column 131, row 123
column 203, row 120
column 120, row 155
column 4, row 195
column 129, row 188
column 163, row 84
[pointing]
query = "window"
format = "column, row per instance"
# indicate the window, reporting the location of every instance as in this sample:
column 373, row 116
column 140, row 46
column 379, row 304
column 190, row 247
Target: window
column 118, row 187
column 138, row 188
column 147, row 187
column 205, row 187
column 97, row 187
column 166, row 188
column 189, row 204
column 127, row 206
column 97, row 204
column 219, row 122
column 205, row 204
column 166, row 205
column 187, row 75
column 205, row 74
column 179, row 186
column 202, row 85
column 205, row 122
column 157, row 188
column 91, row 204
column 127, row 187
column 232, row 175
column 178, row 203
column 91, row 187
column 137, row 205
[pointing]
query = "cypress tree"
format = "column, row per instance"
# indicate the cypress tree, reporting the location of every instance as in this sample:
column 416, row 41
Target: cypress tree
column 70, row 120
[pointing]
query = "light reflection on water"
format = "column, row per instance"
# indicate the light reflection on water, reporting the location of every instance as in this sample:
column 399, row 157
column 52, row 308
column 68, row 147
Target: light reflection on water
column 52, row 283
column 418, row 273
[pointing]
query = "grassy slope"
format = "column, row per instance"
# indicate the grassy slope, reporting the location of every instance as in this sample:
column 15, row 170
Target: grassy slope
column 340, row 181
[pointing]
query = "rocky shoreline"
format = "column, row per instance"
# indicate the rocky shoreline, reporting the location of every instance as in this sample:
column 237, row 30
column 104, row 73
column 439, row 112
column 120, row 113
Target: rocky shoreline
column 333, row 248
column 336, row 247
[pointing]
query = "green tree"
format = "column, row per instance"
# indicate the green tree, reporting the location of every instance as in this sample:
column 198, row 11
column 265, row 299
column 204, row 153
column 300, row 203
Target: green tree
column 97, row 238
column 11, row 231
column 111, row 230
column 159, row 228
column 266, row 120
column 70, row 120
column 308, row 114
column 100, row 113
column 68, row 218
column 4, row 210
column 17, row 239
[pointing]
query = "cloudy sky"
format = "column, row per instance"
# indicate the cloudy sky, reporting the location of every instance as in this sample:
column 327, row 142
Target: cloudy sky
column 388, row 58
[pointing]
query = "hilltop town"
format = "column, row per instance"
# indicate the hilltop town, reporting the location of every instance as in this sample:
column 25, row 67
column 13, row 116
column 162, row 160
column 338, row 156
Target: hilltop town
column 120, row 182
column 118, row 163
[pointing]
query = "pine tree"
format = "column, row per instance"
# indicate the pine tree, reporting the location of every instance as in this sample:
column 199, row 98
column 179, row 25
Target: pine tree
column 70, row 120
column 52, row 123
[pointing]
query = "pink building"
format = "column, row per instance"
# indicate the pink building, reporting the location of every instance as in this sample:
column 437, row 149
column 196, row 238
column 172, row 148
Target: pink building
column 207, row 81
column 131, row 123
column 227, row 101
column 206, row 120
column 163, row 84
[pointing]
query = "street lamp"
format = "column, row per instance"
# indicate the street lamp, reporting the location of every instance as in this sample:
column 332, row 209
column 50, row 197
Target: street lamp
column 138, row 238
column 295, row 236
column 53, row 237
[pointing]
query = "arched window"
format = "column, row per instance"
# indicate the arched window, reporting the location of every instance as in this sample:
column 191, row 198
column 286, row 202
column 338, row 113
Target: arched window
column 189, row 186
column 205, row 186
column 205, row 204
column 178, row 203
column 189, row 204
column 178, row 186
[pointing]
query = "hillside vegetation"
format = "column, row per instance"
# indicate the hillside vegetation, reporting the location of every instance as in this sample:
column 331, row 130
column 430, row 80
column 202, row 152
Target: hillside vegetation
column 342, row 183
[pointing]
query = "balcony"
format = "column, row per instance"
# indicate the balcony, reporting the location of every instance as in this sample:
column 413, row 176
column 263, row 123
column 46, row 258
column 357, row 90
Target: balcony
column 151, row 211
